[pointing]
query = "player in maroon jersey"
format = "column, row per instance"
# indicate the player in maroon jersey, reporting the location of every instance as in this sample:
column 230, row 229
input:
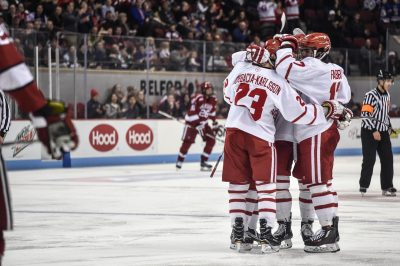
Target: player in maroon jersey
column 50, row 118
column 202, row 108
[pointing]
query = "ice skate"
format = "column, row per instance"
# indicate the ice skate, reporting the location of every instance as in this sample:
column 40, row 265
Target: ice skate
column 306, row 230
column 237, row 235
column 323, row 241
column 285, row 234
column 178, row 165
column 363, row 190
column 269, row 244
column 390, row 192
column 250, row 236
column 204, row 166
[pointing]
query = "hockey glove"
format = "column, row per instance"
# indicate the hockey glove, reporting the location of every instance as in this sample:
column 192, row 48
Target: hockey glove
column 217, row 129
column 345, row 120
column 55, row 129
column 289, row 41
column 333, row 109
column 257, row 54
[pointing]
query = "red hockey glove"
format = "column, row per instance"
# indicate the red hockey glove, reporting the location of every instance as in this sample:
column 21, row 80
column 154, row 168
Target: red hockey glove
column 345, row 120
column 256, row 54
column 289, row 41
column 55, row 129
column 333, row 109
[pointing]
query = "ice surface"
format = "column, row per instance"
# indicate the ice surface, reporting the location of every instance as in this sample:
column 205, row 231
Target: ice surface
column 153, row 215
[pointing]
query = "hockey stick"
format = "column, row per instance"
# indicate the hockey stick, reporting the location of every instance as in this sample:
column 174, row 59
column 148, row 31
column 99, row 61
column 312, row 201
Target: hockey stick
column 216, row 165
column 176, row 119
column 374, row 119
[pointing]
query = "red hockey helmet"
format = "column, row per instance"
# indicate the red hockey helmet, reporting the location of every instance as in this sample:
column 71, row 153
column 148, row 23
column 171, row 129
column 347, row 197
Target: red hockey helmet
column 204, row 88
column 272, row 45
column 318, row 42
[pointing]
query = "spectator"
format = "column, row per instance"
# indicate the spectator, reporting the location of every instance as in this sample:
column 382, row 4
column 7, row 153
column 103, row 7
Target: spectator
column 366, row 56
column 241, row 33
column 393, row 63
column 112, row 108
column 107, row 7
column 132, row 109
column 141, row 101
column 193, row 64
column 93, row 107
column 70, row 18
column 170, row 106
column 292, row 14
column 266, row 12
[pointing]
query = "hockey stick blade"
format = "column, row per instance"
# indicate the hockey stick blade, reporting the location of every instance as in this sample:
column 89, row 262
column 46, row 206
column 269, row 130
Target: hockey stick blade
column 283, row 22
column 216, row 165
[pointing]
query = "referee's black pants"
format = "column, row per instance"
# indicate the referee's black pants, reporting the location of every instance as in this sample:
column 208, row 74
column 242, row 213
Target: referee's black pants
column 369, row 148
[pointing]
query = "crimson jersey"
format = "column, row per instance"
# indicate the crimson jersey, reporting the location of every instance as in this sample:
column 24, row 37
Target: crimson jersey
column 15, row 77
column 201, row 109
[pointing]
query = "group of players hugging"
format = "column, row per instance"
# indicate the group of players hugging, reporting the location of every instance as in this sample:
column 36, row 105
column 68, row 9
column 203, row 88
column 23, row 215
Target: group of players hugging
column 286, row 107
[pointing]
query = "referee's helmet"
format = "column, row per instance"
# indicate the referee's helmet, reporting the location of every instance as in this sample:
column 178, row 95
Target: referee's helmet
column 383, row 75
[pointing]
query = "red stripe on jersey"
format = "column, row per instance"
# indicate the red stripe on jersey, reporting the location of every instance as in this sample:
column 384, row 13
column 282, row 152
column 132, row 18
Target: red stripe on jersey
column 236, row 200
column 29, row 97
column 9, row 57
column 260, row 56
column 326, row 206
column 266, row 199
column 283, row 200
column 315, row 185
column 305, row 200
column 300, row 116
column 288, row 71
column 315, row 114
column 283, row 59
column 251, row 200
column 266, row 210
column 282, row 190
column 255, row 212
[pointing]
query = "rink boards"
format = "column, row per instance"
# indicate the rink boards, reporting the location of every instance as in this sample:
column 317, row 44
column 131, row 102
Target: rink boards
column 124, row 142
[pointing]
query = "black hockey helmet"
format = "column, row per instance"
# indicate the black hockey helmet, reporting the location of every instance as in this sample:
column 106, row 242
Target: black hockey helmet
column 383, row 75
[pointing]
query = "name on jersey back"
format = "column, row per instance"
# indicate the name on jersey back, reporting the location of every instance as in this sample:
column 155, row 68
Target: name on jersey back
column 259, row 81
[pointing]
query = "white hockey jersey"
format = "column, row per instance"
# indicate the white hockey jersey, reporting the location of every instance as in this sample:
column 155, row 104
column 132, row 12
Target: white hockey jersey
column 316, row 81
column 284, row 130
column 254, row 93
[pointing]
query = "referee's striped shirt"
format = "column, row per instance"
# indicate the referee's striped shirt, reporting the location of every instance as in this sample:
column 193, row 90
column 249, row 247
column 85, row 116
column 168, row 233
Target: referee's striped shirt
column 376, row 105
column 5, row 115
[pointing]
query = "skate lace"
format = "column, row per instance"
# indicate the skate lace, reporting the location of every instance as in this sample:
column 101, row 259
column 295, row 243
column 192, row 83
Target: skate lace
column 318, row 235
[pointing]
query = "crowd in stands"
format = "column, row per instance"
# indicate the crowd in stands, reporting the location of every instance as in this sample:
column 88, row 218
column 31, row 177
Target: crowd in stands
column 123, row 34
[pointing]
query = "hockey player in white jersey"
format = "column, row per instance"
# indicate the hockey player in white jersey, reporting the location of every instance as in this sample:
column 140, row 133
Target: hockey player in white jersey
column 254, row 93
column 317, row 81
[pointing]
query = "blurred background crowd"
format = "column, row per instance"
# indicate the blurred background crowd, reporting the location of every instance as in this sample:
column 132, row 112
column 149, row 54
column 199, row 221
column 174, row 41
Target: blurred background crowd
column 193, row 35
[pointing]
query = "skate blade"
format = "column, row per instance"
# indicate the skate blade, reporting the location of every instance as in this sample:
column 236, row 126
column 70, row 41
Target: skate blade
column 267, row 248
column 327, row 248
column 240, row 247
column 204, row 169
column 286, row 244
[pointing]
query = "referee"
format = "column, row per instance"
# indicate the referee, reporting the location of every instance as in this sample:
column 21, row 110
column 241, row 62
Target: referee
column 375, row 135
column 6, row 221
